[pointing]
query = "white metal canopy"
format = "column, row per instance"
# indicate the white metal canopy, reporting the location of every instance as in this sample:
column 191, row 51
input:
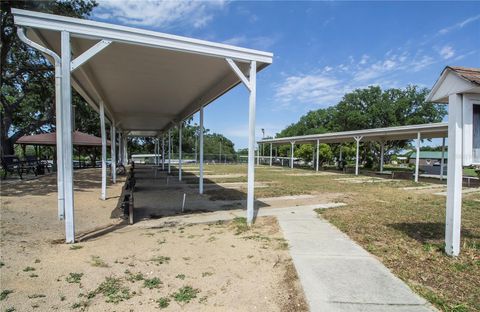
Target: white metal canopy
column 144, row 82
column 146, row 79
column 427, row 131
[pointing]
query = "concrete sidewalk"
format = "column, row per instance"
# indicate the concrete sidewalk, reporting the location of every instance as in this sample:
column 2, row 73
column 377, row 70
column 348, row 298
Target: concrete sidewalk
column 339, row 275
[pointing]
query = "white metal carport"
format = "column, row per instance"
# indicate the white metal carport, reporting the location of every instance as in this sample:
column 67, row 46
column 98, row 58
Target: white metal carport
column 417, row 132
column 138, row 80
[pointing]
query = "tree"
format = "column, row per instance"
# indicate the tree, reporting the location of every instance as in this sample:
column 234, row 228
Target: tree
column 27, row 78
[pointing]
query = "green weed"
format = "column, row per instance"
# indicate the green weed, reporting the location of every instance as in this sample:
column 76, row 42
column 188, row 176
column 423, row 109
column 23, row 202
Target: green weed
column 74, row 278
column 163, row 302
column 151, row 283
column 185, row 294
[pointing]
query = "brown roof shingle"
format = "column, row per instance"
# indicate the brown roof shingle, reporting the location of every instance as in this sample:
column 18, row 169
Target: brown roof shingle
column 78, row 138
column 468, row 73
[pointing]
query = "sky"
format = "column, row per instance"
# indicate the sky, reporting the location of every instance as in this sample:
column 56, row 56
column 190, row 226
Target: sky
column 321, row 49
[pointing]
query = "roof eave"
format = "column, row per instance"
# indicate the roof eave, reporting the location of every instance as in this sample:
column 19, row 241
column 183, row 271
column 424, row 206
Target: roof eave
column 98, row 30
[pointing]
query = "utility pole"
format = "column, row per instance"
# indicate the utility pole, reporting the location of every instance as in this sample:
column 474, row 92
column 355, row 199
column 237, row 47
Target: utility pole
column 195, row 136
column 220, row 153
column 263, row 145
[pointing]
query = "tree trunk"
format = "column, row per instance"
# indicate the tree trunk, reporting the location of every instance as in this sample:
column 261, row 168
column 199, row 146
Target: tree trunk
column 7, row 147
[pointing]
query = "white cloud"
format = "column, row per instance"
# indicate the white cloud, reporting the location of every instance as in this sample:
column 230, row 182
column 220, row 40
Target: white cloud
column 459, row 25
column 158, row 13
column 326, row 86
column 259, row 42
column 447, row 52
column 316, row 89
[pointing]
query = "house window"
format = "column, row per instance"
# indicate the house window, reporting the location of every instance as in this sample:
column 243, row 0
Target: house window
column 476, row 134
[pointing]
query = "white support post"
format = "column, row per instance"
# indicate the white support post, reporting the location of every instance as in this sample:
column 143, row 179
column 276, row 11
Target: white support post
column 442, row 160
column 120, row 147
column 251, row 84
column 417, row 158
column 454, row 175
column 155, row 147
column 258, row 155
column 169, row 150
column 113, row 151
column 341, row 158
column 59, row 130
column 125, row 148
column 271, row 153
column 382, row 152
column 251, row 142
column 180, row 126
column 292, row 149
column 163, row 152
column 200, row 181
column 317, row 155
column 103, row 195
column 67, row 147
column 357, row 139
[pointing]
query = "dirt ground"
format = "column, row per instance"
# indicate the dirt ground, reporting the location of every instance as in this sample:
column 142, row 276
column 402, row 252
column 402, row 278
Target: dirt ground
column 200, row 267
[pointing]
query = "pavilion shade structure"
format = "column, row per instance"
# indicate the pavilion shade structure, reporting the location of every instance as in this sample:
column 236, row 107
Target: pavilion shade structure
column 78, row 138
column 143, row 86
column 428, row 131
column 141, row 82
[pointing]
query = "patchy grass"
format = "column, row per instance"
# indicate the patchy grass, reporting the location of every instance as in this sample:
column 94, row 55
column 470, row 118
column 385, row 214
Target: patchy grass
column 29, row 269
column 163, row 302
column 160, row 260
column 74, row 278
column 113, row 290
column 4, row 294
column 81, row 305
column 180, row 276
column 98, row 262
column 131, row 277
column 76, row 247
column 35, row 296
column 185, row 294
column 152, row 283
column 240, row 225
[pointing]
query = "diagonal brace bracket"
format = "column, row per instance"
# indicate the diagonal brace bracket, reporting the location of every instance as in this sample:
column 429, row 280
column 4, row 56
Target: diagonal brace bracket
column 239, row 73
column 85, row 56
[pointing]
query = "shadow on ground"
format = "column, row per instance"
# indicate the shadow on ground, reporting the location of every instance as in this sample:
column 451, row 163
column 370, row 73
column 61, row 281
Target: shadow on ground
column 158, row 194
column 427, row 231
column 84, row 179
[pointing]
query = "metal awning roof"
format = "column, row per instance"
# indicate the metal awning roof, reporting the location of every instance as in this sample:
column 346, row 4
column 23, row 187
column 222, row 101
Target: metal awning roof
column 427, row 131
column 147, row 80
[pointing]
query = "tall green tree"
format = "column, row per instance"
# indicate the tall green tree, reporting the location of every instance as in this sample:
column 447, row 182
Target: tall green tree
column 27, row 78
